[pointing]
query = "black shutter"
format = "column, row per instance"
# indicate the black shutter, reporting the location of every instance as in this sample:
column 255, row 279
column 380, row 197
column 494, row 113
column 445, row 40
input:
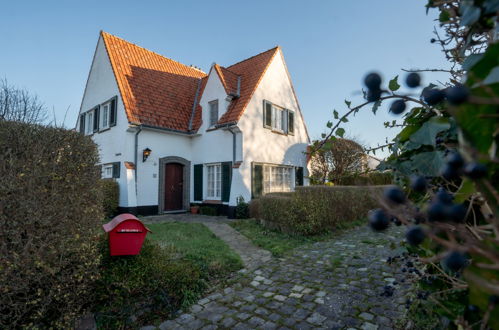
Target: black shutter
column 226, row 180
column 291, row 122
column 267, row 114
column 299, row 176
column 112, row 110
column 82, row 123
column 198, row 182
column 257, row 182
column 96, row 119
column 116, row 169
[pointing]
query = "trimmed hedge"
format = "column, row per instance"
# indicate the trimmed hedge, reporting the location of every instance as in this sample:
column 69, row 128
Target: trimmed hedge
column 50, row 212
column 365, row 179
column 316, row 209
column 110, row 197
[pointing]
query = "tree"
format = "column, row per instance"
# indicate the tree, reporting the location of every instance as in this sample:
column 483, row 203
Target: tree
column 336, row 158
column 18, row 104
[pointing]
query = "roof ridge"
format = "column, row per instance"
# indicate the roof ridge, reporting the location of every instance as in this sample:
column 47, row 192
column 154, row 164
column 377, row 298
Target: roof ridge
column 150, row 51
column 249, row 58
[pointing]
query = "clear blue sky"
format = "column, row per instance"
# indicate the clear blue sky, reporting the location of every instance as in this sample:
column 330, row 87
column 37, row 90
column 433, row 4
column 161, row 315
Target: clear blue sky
column 47, row 46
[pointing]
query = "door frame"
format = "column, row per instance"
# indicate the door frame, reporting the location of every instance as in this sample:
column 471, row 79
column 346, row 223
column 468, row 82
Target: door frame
column 186, row 186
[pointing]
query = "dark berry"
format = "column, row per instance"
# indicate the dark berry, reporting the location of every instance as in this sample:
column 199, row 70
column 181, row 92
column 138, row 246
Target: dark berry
column 473, row 308
column 397, row 107
column 450, row 173
column 443, row 196
column 457, row 212
column 455, row 261
column 418, row 183
column 475, row 171
column 373, row 81
column 395, row 195
column 439, row 140
column 455, row 160
column 437, row 212
column 378, row 220
column 433, row 40
column 433, row 96
column 413, row 80
column 457, row 94
column 373, row 95
column 415, row 235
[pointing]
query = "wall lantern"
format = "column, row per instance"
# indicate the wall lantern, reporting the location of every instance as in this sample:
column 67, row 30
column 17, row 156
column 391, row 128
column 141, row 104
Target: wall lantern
column 145, row 153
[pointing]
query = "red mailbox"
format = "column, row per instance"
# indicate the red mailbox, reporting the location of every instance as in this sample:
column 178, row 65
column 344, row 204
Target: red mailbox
column 126, row 235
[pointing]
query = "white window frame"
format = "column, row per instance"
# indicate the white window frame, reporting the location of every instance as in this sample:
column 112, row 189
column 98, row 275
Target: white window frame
column 105, row 118
column 278, row 178
column 214, row 181
column 89, row 122
column 107, row 171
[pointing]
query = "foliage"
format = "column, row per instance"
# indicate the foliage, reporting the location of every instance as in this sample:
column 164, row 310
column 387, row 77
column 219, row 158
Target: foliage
column 138, row 289
column 195, row 243
column 316, row 210
column 50, row 212
column 449, row 139
column 242, row 208
column 277, row 242
column 208, row 210
column 110, row 196
column 336, row 157
column 18, row 104
column 366, row 179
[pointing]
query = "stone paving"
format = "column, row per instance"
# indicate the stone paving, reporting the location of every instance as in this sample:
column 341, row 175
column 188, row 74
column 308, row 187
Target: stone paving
column 338, row 284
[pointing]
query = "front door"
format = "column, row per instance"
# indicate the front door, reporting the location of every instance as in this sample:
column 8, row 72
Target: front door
column 174, row 187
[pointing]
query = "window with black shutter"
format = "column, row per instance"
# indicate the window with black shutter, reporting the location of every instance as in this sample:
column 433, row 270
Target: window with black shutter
column 113, row 112
column 96, row 119
column 299, row 176
column 291, row 122
column 82, row 123
column 226, row 180
column 257, row 181
column 116, row 169
column 198, row 182
column 267, row 114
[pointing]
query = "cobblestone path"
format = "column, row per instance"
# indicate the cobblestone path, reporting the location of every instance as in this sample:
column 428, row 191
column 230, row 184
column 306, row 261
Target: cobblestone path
column 331, row 285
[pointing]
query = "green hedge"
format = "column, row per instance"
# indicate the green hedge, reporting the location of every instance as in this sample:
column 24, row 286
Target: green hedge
column 316, row 209
column 110, row 197
column 136, row 289
column 365, row 179
column 50, row 213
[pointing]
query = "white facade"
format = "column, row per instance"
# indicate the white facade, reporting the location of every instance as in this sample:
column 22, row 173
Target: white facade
column 246, row 143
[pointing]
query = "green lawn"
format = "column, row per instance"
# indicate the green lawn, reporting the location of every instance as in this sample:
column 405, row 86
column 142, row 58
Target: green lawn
column 272, row 240
column 196, row 243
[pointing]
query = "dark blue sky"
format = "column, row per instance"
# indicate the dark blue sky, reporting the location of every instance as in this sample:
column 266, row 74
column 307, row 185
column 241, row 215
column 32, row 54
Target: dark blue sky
column 47, row 46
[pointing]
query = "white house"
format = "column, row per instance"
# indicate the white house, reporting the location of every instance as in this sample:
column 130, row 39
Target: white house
column 172, row 135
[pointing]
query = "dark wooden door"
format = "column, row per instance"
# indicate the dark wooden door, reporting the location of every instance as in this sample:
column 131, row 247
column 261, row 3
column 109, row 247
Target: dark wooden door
column 174, row 186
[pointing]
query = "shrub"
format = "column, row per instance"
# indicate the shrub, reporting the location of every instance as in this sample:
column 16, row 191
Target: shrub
column 254, row 208
column 317, row 209
column 366, row 179
column 50, row 212
column 242, row 208
column 110, row 197
column 153, row 283
column 208, row 210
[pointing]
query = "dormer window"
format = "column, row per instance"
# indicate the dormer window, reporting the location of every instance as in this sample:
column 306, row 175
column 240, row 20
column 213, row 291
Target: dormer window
column 213, row 112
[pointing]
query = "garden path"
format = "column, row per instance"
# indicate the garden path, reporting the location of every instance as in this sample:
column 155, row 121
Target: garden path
column 338, row 284
column 251, row 255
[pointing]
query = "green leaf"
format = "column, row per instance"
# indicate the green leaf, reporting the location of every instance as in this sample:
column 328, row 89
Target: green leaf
column 444, row 16
column 335, row 114
column 340, row 132
column 376, row 106
column 344, row 119
column 348, row 103
column 483, row 67
column 329, row 124
column 466, row 189
column 393, row 84
column 326, row 146
column 428, row 132
column 470, row 61
column 323, row 135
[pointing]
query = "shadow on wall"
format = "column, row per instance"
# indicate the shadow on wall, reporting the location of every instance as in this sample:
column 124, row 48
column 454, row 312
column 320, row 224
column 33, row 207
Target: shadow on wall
column 164, row 98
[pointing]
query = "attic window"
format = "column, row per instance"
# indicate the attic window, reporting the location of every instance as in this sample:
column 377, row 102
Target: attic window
column 213, row 112
column 278, row 119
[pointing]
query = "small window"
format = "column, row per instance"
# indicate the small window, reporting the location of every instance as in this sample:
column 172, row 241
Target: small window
column 107, row 171
column 105, row 114
column 214, row 181
column 278, row 119
column 89, row 125
column 213, row 112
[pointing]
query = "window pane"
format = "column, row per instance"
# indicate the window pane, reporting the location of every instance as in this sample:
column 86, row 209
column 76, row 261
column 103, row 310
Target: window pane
column 213, row 112
column 210, row 181
column 218, row 181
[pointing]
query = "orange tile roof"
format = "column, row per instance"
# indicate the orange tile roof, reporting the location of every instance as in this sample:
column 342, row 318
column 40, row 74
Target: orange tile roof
column 158, row 91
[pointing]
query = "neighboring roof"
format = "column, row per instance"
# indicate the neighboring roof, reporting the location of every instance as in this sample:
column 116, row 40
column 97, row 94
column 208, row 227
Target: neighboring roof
column 156, row 90
column 160, row 92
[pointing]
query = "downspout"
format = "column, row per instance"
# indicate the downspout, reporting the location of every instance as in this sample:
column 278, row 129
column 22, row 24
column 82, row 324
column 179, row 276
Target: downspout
column 136, row 157
column 233, row 145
